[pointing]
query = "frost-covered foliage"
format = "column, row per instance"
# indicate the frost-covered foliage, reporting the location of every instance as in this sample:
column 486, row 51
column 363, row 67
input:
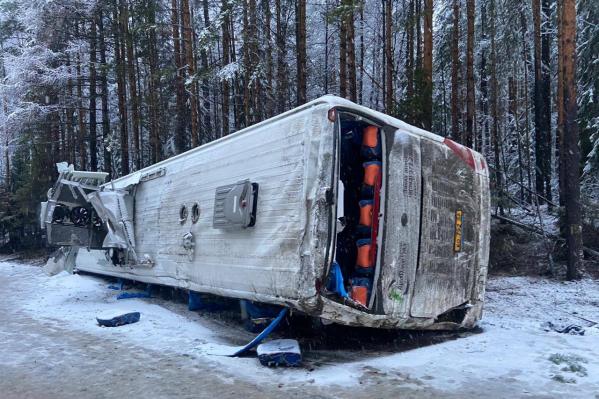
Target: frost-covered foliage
column 156, row 67
column 34, row 46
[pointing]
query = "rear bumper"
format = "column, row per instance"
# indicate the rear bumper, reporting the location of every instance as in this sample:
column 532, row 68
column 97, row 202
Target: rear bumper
column 341, row 314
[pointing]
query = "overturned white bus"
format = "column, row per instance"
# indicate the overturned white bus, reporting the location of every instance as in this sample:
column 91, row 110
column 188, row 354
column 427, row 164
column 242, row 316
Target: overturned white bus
column 332, row 209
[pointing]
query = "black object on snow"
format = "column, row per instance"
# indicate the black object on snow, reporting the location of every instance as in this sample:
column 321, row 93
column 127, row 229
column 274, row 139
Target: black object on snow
column 120, row 320
column 572, row 329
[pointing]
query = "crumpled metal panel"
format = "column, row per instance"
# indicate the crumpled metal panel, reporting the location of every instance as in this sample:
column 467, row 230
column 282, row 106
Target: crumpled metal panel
column 115, row 207
column 484, row 233
column 444, row 276
column 72, row 189
column 402, row 223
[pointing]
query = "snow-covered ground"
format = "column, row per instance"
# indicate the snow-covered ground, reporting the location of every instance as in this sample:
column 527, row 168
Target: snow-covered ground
column 516, row 354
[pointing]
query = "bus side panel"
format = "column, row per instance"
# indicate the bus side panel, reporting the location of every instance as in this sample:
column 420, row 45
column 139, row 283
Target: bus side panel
column 276, row 260
column 402, row 223
column 450, row 209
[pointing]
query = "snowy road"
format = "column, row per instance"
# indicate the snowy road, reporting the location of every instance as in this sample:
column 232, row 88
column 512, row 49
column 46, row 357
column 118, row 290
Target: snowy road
column 51, row 347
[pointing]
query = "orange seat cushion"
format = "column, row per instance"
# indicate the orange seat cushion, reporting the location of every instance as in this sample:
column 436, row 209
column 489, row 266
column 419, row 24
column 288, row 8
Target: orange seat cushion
column 370, row 136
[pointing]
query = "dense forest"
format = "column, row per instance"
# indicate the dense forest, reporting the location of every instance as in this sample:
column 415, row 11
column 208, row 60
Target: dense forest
column 117, row 85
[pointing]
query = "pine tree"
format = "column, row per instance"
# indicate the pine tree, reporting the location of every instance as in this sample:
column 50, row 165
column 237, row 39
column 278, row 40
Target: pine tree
column 571, row 150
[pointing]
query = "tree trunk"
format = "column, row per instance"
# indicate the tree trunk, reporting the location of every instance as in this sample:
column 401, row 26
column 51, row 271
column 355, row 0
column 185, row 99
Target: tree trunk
column 140, row 101
column 483, row 135
column 203, row 136
column 469, row 141
column 343, row 52
column 427, row 66
column 205, row 82
column 515, row 128
column 300, row 39
column 362, row 55
column 107, row 159
column 444, row 100
column 119, row 56
column 495, row 112
column 389, row 57
column 154, row 85
column 538, row 102
column 82, row 131
column 410, row 53
column 7, row 173
column 247, row 65
column 92, row 96
column 281, row 100
column 455, row 71
column 571, row 152
column 418, row 17
column 560, row 105
column 238, row 82
column 546, row 97
column 226, row 40
column 69, row 111
column 351, row 51
column 189, row 59
column 524, row 26
column 268, row 92
column 135, row 125
column 180, row 142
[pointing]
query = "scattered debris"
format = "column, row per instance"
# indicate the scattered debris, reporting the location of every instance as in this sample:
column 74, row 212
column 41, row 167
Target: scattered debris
column 130, row 295
column 280, row 352
column 257, row 315
column 118, row 286
column 62, row 259
column 234, row 351
column 260, row 337
column 572, row 329
column 118, row 320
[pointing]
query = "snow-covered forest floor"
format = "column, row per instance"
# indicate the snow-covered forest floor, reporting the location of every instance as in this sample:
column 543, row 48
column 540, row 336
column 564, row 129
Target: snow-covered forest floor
column 51, row 347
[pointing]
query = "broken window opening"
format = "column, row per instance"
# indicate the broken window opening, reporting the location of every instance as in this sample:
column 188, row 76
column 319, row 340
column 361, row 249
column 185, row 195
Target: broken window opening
column 183, row 214
column 358, row 210
column 195, row 213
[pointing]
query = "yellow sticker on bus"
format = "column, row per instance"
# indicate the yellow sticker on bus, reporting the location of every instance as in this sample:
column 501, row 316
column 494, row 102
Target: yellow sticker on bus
column 457, row 236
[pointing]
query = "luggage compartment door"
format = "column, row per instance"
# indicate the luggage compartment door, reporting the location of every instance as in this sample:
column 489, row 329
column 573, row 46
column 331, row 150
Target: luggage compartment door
column 450, row 225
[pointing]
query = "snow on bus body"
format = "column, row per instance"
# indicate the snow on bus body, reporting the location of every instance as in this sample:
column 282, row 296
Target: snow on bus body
column 427, row 276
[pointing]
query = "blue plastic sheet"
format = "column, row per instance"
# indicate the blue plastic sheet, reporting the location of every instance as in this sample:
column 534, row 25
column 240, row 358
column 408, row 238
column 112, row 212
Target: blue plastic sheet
column 260, row 337
column 130, row 295
column 335, row 282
